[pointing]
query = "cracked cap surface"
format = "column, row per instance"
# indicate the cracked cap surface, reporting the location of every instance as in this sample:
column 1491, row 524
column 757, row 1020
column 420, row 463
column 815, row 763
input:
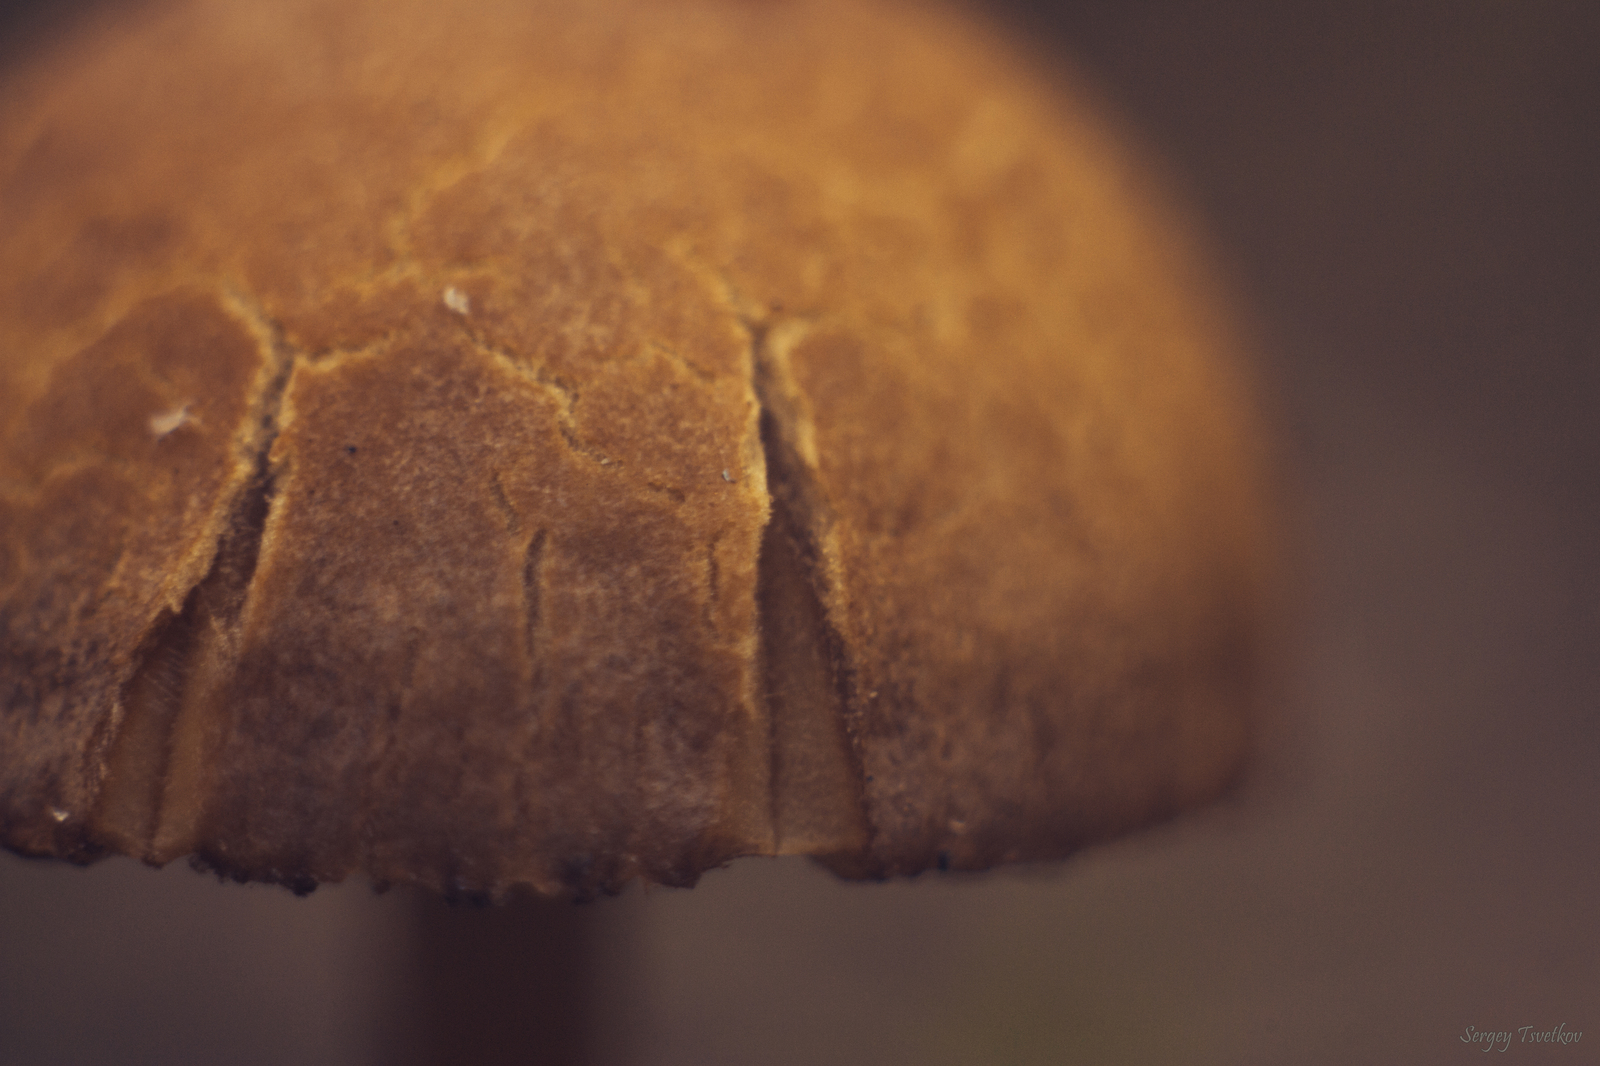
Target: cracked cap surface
column 496, row 444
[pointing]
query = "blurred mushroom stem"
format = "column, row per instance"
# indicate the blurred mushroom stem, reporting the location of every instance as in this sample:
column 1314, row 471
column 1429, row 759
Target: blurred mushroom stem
column 503, row 984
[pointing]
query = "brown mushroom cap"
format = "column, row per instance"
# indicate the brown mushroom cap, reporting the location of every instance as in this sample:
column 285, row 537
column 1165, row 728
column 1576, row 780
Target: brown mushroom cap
column 508, row 443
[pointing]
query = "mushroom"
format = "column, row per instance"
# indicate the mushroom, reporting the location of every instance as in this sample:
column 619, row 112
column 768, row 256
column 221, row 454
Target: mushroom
column 500, row 444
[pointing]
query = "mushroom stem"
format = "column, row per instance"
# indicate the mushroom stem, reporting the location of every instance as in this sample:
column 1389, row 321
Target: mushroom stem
column 503, row 984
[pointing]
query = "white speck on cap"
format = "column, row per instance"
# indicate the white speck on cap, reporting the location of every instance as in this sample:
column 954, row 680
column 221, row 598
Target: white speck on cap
column 167, row 421
column 457, row 301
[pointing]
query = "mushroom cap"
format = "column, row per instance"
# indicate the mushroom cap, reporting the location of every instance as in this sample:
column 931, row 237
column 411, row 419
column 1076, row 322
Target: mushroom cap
column 498, row 443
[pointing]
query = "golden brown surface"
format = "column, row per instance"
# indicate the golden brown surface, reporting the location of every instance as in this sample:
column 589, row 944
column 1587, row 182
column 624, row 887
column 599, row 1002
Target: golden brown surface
column 413, row 409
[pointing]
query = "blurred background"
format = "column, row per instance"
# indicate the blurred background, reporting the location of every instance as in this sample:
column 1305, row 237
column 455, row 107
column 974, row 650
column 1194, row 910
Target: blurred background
column 1407, row 196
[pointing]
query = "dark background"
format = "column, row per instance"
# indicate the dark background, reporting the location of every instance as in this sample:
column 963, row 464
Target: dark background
column 1407, row 196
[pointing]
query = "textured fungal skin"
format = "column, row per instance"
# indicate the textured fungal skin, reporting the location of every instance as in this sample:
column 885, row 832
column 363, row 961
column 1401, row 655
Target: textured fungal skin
column 548, row 444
